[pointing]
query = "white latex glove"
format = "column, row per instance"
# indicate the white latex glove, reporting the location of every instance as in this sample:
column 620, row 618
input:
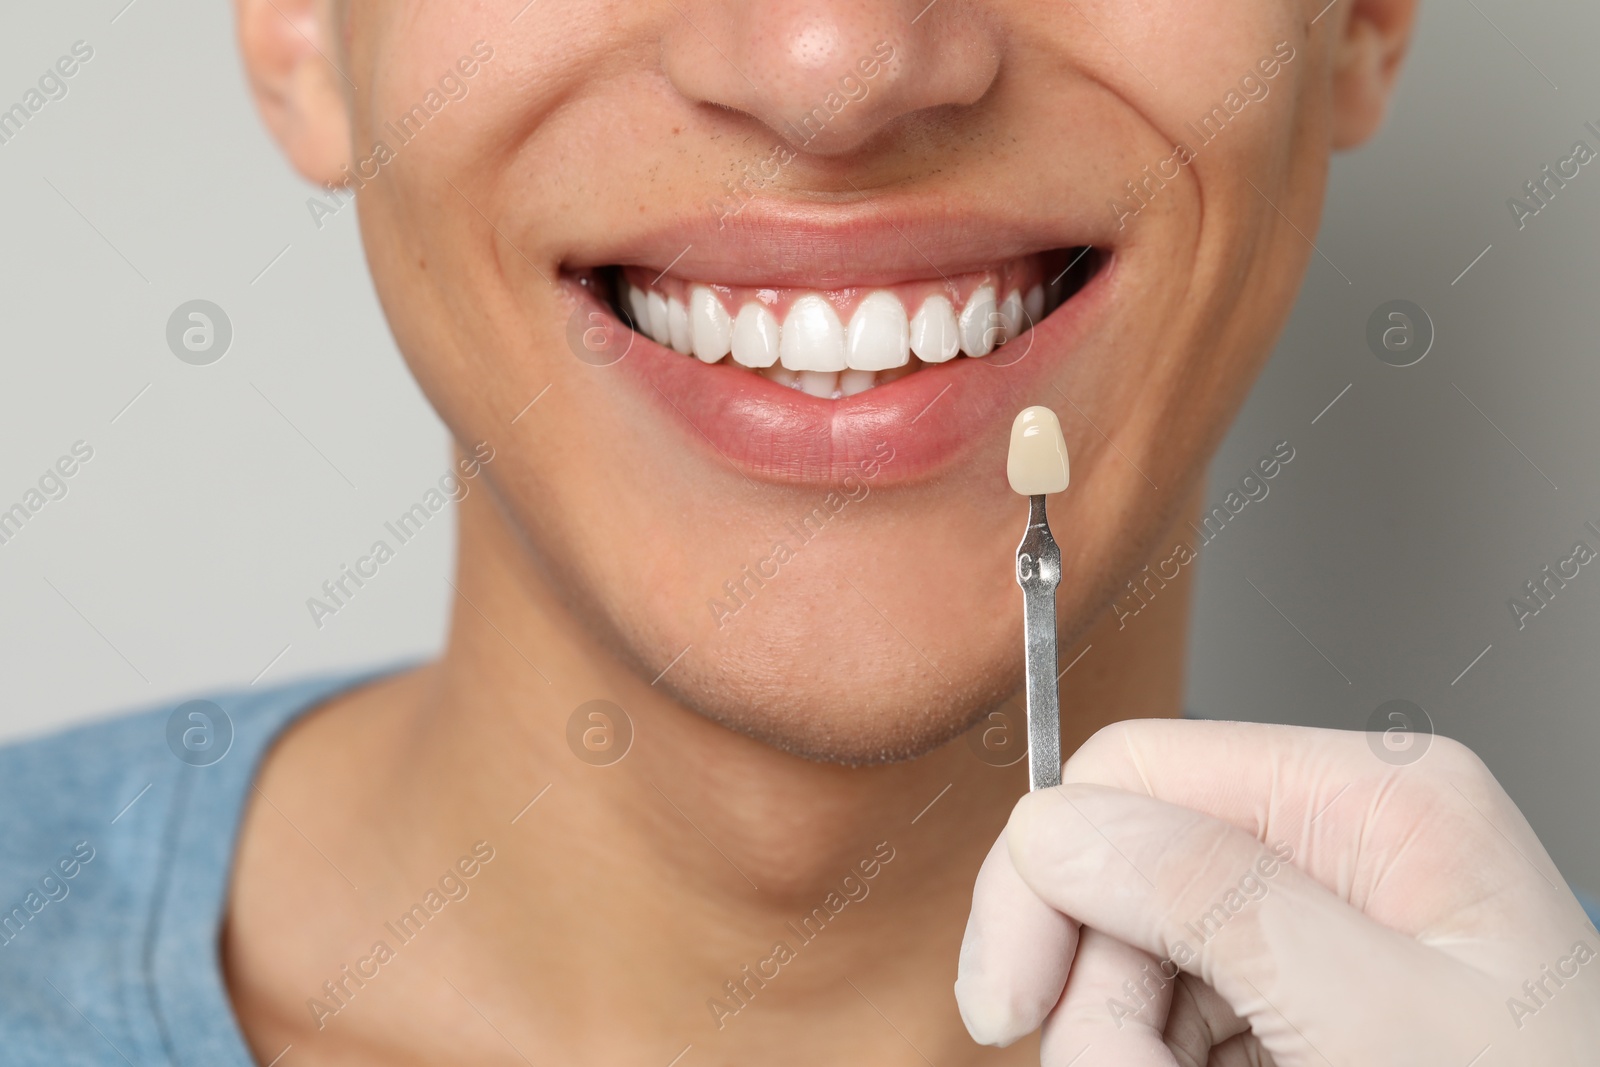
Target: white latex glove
column 1270, row 895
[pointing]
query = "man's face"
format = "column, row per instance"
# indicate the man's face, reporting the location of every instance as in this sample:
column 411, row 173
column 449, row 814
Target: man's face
column 838, row 567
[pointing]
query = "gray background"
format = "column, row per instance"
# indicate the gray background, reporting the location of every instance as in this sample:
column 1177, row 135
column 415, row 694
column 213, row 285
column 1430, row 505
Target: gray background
column 224, row 495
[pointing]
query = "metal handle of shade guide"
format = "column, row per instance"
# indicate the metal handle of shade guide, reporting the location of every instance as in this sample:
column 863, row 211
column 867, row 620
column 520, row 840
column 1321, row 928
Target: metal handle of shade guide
column 1038, row 573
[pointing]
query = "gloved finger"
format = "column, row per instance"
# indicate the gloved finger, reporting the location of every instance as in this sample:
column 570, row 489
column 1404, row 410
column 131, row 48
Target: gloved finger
column 1317, row 789
column 1014, row 956
column 1312, row 975
column 1241, row 1051
column 1177, row 761
column 1113, row 1011
column 1200, row 1022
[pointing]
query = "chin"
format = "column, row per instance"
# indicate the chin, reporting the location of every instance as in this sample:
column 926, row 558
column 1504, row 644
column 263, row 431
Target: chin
column 891, row 713
column 846, row 665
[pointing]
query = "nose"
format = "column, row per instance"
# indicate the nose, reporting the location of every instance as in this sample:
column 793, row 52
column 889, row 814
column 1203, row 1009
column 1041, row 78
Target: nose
column 829, row 75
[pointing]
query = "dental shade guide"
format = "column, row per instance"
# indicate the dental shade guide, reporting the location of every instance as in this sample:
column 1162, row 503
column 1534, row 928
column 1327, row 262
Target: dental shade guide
column 1036, row 465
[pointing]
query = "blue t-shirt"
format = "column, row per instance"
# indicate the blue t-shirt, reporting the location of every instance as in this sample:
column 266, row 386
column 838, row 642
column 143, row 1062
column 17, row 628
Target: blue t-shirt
column 115, row 854
column 116, row 844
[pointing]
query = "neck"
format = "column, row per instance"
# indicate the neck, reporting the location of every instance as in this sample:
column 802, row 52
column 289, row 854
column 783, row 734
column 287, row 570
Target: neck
column 727, row 894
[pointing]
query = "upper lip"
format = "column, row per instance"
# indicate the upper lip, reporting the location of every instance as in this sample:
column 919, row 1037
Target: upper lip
column 773, row 242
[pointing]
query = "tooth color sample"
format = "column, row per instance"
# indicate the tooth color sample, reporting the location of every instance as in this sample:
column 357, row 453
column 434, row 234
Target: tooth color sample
column 1037, row 462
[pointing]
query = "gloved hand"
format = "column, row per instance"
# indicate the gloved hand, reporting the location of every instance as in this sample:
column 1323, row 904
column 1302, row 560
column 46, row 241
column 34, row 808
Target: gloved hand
column 1269, row 895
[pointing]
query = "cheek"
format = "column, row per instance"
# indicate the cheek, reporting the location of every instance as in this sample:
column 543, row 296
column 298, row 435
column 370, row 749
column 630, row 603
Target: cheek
column 1203, row 52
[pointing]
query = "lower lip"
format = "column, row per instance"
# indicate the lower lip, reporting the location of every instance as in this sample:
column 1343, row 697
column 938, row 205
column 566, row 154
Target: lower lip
column 926, row 420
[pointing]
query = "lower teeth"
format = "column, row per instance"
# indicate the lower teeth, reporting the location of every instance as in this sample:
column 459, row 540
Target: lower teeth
column 835, row 385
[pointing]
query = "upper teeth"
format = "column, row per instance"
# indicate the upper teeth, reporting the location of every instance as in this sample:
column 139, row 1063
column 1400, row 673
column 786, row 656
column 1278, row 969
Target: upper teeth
column 880, row 335
column 879, row 338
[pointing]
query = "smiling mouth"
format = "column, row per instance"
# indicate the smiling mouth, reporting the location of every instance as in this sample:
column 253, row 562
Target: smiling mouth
column 836, row 343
